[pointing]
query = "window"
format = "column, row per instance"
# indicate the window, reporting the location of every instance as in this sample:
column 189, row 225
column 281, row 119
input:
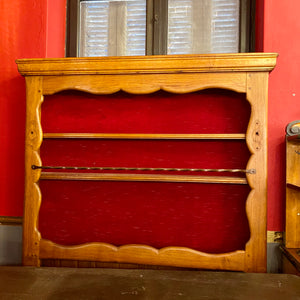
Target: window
column 140, row 27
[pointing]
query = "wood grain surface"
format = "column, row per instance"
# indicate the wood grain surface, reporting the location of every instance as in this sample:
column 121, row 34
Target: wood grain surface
column 69, row 283
column 242, row 73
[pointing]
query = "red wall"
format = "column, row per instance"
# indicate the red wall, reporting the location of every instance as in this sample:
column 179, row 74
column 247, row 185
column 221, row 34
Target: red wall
column 56, row 28
column 35, row 28
column 29, row 29
column 281, row 35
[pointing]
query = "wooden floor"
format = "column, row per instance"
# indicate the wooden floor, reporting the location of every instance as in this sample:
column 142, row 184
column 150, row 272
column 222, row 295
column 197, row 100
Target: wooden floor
column 68, row 283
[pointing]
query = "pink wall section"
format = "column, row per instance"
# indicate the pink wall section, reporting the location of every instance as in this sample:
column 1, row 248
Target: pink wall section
column 31, row 28
column 23, row 25
column 281, row 35
column 36, row 28
column 56, row 28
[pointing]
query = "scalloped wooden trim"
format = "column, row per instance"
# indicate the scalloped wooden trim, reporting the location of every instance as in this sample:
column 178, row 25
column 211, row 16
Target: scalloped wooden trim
column 143, row 254
column 145, row 83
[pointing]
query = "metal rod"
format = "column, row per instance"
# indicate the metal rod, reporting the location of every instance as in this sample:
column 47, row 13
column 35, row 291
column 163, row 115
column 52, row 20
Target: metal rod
column 250, row 171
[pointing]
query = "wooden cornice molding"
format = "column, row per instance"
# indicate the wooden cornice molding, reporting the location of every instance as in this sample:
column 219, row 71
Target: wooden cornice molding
column 200, row 63
column 11, row 220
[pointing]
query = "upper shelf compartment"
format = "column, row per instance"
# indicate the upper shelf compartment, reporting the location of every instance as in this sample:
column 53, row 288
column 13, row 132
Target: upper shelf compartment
column 209, row 114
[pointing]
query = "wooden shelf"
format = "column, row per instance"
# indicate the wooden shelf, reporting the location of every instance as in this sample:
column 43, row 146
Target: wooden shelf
column 293, row 186
column 141, row 177
column 148, row 136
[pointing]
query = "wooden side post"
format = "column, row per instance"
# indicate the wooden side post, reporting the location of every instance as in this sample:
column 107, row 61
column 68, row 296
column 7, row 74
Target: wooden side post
column 256, row 137
column 33, row 140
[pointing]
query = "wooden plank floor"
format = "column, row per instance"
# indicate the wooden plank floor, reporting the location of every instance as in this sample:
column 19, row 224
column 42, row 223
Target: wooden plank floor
column 68, row 283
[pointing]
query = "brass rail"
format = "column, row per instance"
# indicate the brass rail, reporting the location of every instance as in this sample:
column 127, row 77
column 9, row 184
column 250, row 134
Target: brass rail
column 34, row 167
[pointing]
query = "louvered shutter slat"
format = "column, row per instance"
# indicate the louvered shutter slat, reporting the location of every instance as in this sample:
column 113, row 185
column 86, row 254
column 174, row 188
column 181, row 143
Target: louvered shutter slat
column 225, row 29
column 220, row 25
column 94, row 40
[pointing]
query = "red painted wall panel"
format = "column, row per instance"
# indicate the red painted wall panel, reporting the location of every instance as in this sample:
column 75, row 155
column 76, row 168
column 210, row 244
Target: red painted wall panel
column 281, row 34
column 23, row 25
column 28, row 30
column 35, row 28
column 56, row 25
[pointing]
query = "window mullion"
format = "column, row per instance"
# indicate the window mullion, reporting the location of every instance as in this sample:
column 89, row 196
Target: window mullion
column 72, row 28
column 157, row 27
column 149, row 27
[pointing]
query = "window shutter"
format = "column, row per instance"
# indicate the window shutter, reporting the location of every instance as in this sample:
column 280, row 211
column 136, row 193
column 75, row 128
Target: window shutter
column 180, row 27
column 93, row 28
column 225, row 26
column 194, row 26
column 203, row 26
column 95, row 35
column 136, row 27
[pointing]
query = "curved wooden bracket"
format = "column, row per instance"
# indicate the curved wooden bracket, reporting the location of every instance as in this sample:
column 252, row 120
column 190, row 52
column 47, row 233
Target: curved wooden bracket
column 293, row 128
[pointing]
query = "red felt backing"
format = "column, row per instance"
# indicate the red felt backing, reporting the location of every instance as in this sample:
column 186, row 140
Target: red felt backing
column 206, row 217
column 161, row 112
column 145, row 153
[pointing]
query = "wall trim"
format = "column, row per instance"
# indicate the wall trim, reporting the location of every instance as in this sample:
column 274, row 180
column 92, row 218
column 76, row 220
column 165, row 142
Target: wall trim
column 11, row 220
column 272, row 236
column 275, row 237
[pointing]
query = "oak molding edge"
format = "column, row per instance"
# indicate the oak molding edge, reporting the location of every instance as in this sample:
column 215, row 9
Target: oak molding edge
column 189, row 63
column 4, row 220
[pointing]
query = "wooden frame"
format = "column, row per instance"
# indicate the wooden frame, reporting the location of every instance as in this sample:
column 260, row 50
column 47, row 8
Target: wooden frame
column 243, row 73
column 291, row 261
column 292, row 239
